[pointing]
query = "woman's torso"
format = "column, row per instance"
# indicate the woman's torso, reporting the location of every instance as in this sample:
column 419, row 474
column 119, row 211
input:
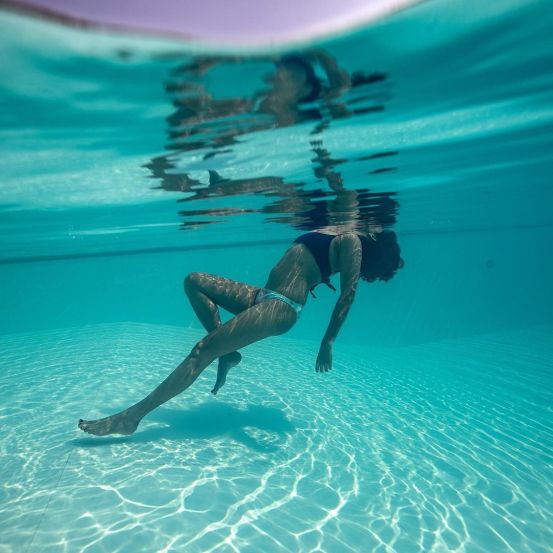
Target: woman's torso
column 297, row 272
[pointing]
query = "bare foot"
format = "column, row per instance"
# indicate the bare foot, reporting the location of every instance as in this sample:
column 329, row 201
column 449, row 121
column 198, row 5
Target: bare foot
column 121, row 423
column 225, row 364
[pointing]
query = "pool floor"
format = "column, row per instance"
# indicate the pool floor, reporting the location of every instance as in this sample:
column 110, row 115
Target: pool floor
column 439, row 447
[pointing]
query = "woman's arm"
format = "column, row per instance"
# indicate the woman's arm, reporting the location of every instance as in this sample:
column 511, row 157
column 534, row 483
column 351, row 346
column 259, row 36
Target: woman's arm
column 349, row 265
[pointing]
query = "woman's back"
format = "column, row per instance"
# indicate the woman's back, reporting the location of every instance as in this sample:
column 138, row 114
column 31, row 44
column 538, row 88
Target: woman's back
column 294, row 274
column 304, row 265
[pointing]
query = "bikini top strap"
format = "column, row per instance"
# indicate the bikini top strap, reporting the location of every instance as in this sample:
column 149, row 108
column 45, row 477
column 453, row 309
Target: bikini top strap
column 327, row 282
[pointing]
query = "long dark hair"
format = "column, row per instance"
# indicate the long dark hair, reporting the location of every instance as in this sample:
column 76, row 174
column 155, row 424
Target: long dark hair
column 381, row 256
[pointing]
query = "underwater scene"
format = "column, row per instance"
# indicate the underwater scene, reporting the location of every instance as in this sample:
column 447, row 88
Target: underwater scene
column 285, row 298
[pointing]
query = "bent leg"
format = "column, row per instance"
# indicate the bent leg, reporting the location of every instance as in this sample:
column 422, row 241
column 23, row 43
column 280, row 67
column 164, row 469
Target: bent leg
column 206, row 292
column 260, row 321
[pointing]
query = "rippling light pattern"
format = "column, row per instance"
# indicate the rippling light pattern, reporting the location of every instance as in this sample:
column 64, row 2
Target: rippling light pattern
column 433, row 448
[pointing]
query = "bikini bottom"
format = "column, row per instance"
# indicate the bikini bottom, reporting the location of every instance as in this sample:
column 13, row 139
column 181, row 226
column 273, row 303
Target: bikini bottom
column 264, row 295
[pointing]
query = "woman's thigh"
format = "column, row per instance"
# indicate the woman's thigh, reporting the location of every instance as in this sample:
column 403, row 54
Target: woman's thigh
column 229, row 294
column 269, row 318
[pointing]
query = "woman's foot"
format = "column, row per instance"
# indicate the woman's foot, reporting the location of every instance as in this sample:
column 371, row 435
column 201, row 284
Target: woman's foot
column 226, row 362
column 121, row 423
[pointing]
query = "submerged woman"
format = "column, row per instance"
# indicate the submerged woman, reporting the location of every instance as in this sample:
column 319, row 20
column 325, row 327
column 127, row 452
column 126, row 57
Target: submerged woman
column 263, row 312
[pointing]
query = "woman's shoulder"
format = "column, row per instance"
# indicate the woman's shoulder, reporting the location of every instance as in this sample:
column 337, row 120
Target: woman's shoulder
column 350, row 237
column 347, row 244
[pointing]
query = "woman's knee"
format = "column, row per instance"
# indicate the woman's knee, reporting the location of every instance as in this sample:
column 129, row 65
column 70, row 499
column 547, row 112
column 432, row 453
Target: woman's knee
column 201, row 354
column 192, row 282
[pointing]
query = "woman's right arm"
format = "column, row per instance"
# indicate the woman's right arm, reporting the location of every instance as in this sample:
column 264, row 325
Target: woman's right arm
column 349, row 265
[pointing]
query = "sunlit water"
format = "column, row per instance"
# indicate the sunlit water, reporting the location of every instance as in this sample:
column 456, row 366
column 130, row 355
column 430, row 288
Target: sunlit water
column 129, row 162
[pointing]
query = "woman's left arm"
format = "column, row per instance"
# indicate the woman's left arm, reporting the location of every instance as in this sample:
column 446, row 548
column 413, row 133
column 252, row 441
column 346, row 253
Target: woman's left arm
column 349, row 265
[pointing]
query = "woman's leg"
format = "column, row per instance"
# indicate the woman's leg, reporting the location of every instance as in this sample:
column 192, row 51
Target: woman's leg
column 260, row 321
column 206, row 292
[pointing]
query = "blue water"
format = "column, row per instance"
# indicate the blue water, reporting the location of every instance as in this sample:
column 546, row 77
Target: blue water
column 129, row 162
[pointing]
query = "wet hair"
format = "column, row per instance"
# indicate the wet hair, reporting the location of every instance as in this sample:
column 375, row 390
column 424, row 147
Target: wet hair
column 294, row 60
column 381, row 256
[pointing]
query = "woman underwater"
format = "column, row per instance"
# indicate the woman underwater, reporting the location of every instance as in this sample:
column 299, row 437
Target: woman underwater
column 262, row 312
column 269, row 311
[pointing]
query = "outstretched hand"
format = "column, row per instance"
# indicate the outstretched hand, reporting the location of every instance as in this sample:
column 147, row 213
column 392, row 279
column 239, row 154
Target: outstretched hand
column 324, row 359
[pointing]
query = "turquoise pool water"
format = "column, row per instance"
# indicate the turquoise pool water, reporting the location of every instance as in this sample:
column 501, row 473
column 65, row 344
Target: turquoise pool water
column 129, row 162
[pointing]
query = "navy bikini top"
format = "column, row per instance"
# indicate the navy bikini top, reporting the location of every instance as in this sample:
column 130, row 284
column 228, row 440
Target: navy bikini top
column 318, row 245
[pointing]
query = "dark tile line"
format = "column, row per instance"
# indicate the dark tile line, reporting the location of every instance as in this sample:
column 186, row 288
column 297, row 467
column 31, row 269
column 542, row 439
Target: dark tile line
column 238, row 245
column 141, row 251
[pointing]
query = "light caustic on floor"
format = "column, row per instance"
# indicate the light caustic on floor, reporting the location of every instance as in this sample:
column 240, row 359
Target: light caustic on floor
column 441, row 447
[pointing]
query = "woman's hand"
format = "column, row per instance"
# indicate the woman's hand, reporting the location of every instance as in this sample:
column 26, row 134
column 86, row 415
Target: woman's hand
column 324, row 359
